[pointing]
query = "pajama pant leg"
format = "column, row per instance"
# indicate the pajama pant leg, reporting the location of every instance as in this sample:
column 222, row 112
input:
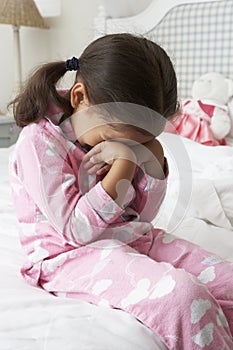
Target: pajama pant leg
column 211, row 270
column 171, row 302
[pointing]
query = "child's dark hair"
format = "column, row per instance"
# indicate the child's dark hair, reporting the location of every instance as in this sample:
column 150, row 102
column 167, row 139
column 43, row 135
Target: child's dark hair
column 114, row 68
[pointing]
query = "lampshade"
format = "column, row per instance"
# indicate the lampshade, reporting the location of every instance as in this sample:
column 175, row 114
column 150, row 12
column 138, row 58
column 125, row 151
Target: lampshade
column 21, row 13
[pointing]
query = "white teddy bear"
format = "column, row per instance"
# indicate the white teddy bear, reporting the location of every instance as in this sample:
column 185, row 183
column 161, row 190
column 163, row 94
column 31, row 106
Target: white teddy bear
column 213, row 89
column 205, row 117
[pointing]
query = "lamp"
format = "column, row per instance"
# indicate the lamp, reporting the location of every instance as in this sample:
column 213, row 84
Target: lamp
column 20, row 13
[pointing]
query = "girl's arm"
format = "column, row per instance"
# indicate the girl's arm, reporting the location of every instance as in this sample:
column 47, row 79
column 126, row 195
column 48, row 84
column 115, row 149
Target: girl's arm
column 123, row 164
column 118, row 180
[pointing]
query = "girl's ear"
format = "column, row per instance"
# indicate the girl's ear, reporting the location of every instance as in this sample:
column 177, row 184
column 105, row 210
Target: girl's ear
column 78, row 95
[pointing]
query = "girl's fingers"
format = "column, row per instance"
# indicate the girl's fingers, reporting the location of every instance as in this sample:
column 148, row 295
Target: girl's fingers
column 95, row 150
column 93, row 161
column 104, row 169
column 88, row 165
column 95, row 167
column 98, row 158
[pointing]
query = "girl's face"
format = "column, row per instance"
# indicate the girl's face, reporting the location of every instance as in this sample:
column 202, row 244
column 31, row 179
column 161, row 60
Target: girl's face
column 92, row 129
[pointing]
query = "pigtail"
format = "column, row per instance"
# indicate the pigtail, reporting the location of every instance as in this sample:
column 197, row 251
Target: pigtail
column 39, row 92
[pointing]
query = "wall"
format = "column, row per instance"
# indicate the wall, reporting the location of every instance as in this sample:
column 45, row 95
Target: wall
column 72, row 31
column 124, row 8
column 67, row 36
column 34, row 48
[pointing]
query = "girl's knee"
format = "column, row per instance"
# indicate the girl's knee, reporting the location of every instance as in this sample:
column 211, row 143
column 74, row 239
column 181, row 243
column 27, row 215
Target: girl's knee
column 189, row 288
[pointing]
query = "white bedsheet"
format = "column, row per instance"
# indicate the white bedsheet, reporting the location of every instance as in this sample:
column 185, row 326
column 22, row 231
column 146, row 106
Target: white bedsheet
column 198, row 206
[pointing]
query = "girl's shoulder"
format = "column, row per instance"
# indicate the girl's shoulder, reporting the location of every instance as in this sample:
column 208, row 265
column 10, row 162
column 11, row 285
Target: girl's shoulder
column 37, row 134
column 34, row 129
column 45, row 134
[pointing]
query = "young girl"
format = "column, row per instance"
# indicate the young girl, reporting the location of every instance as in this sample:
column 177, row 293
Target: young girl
column 88, row 176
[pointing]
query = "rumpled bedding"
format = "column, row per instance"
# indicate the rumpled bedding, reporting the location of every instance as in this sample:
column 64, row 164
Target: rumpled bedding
column 199, row 202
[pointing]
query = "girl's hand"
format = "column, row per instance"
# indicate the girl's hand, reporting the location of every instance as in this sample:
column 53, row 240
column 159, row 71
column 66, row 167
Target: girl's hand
column 100, row 158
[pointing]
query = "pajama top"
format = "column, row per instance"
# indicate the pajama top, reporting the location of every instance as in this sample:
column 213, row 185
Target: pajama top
column 61, row 208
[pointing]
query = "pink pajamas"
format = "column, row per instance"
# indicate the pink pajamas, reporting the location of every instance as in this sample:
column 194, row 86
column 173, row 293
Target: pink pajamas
column 176, row 305
column 81, row 244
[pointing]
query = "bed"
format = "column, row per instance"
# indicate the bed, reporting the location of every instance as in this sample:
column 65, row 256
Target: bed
column 198, row 205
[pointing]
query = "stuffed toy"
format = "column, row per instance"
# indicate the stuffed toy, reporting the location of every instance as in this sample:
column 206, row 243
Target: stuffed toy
column 205, row 118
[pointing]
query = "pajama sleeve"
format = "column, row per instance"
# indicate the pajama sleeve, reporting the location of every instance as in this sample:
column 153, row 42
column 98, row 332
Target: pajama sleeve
column 150, row 193
column 49, row 177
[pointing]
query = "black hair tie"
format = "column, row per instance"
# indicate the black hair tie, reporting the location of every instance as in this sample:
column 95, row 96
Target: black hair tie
column 72, row 64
